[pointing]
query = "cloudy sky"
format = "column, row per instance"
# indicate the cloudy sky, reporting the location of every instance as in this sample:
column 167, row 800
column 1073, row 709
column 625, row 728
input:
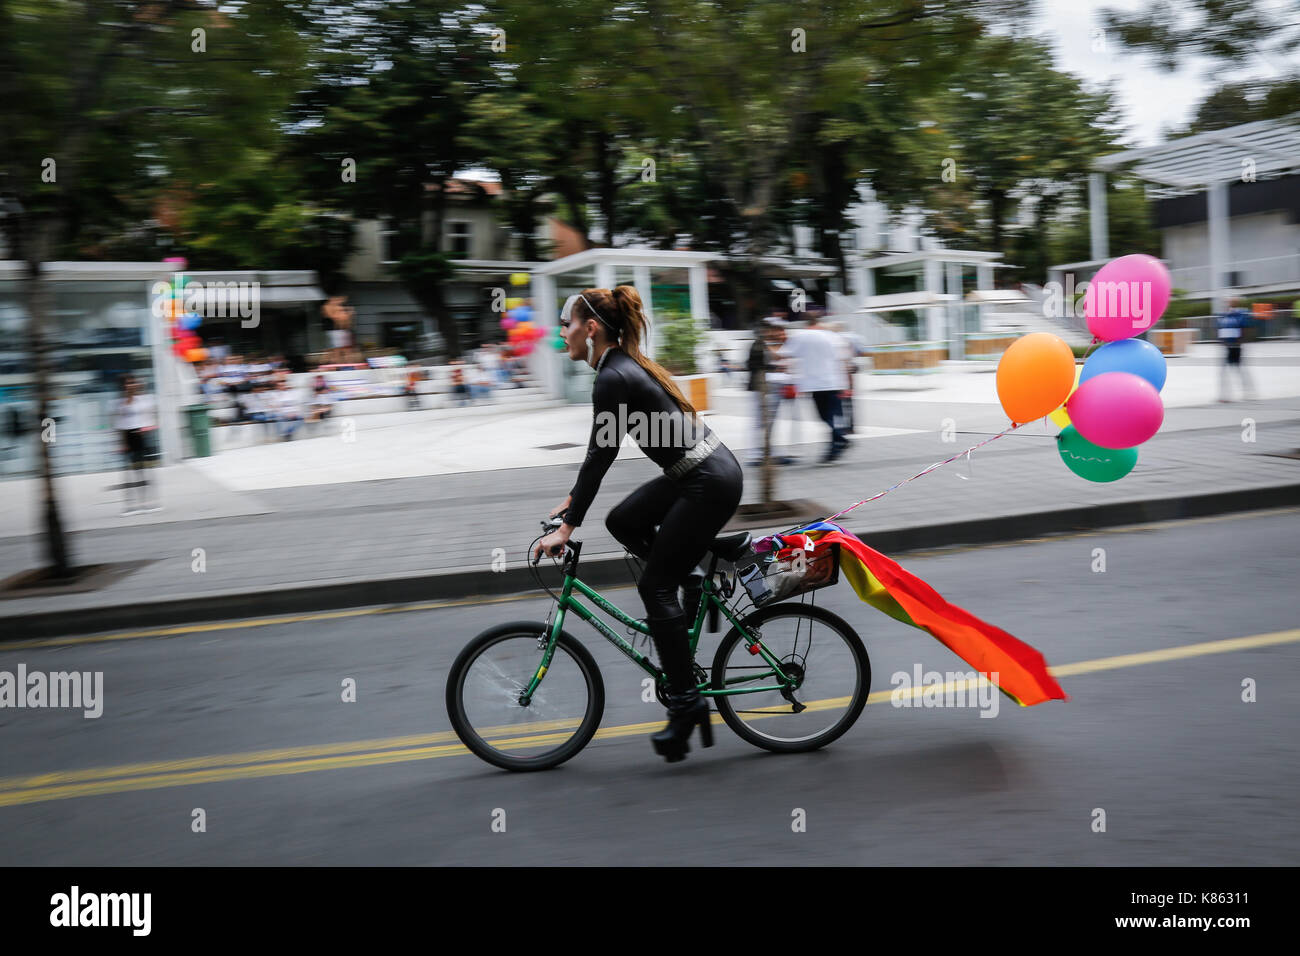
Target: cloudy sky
column 1153, row 100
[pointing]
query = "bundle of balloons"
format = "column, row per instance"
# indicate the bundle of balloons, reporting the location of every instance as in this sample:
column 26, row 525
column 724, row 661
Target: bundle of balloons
column 183, row 326
column 521, row 333
column 1110, row 404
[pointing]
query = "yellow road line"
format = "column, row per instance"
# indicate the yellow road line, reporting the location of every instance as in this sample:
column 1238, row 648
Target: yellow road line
column 264, row 756
column 341, row 756
column 1175, row 653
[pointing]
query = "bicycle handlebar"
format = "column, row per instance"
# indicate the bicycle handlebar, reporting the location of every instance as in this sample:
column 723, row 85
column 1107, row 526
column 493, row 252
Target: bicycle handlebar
column 549, row 524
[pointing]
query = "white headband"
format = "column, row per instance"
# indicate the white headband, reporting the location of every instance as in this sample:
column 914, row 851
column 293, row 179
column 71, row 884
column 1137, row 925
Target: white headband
column 568, row 309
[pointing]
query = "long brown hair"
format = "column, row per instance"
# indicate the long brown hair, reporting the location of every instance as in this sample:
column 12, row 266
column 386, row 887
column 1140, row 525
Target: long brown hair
column 622, row 307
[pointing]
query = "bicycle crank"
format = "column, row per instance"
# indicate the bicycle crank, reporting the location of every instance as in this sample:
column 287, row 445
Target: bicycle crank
column 700, row 678
column 794, row 670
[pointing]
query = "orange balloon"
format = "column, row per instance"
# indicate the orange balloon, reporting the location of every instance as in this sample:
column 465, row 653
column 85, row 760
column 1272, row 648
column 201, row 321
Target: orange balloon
column 1035, row 376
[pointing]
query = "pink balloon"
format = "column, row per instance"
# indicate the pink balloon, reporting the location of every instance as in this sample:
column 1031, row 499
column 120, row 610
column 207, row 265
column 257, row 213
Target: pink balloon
column 1116, row 410
column 1126, row 297
column 508, row 323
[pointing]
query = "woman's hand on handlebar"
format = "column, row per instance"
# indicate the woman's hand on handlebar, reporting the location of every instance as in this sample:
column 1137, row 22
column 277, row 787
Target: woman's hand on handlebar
column 553, row 544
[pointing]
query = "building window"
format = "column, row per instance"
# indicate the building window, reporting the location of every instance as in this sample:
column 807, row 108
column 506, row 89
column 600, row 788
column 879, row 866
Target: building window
column 459, row 236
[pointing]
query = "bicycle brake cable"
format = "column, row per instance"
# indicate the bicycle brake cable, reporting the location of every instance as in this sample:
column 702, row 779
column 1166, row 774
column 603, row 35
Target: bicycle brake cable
column 533, row 569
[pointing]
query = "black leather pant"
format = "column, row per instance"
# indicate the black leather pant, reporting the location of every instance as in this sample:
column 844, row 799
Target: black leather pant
column 688, row 513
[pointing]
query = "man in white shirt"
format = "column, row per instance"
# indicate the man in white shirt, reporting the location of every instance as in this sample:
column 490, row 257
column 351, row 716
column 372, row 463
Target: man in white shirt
column 819, row 355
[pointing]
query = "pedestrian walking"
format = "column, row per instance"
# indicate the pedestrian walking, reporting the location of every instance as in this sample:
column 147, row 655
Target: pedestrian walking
column 854, row 348
column 1232, row 328
column 136, row 419
column 768, row 382
column 820, row 373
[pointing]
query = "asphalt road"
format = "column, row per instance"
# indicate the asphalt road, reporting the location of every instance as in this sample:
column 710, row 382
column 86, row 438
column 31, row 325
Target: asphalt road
column 246, row 723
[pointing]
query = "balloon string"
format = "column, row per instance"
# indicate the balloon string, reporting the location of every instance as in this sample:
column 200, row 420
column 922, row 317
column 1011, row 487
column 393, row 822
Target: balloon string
column 926, row 471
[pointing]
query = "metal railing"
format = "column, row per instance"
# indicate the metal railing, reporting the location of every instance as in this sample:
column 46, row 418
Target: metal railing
column 1242, row 273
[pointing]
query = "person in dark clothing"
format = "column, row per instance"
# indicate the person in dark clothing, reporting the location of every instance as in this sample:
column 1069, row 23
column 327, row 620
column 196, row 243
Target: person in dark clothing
column 1232, row 330
column 668, row 522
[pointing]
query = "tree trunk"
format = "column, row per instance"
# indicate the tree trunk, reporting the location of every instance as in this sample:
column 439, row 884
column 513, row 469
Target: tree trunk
column 435, row 295
column 447, row 324
column 36, row 299
column 607, row 170
column 836, row 196
column 768, row 471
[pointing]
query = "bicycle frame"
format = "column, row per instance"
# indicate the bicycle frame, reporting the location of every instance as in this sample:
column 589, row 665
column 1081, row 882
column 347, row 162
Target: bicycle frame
column 567, row 602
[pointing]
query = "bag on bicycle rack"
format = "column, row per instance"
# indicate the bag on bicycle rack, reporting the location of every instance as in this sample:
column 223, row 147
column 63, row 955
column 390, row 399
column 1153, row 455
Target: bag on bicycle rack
column 788, row 572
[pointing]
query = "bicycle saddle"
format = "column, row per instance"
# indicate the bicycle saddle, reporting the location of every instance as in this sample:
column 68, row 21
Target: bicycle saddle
column 730, row 547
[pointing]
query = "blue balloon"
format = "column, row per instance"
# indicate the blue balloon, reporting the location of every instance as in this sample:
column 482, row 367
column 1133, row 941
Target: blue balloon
column 190, row 321
column 1135, row 356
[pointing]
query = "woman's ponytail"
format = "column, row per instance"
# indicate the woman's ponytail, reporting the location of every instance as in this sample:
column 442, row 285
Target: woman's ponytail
column 626, row 302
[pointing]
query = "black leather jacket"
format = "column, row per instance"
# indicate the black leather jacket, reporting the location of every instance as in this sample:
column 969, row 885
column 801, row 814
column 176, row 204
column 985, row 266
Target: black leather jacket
column 626, row 400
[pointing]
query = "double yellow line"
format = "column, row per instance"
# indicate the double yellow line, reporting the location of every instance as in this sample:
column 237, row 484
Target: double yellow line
column 65, row 784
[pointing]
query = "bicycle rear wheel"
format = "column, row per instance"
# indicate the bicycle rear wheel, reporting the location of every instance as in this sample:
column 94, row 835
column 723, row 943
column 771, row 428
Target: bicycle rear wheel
column 830, row 667
column 483, row 698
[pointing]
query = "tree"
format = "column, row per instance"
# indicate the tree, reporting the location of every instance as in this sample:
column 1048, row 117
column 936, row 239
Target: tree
column 513, row 134
column 1247, row 101
column 1014, row 129
column 382, row 129
column 1229, row 31
column 90, row 139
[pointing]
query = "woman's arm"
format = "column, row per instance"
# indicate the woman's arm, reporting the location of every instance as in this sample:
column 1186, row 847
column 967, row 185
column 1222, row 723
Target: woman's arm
column 602, row 447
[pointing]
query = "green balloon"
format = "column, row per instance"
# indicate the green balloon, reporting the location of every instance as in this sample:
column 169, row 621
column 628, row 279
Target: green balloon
column 1092, row 461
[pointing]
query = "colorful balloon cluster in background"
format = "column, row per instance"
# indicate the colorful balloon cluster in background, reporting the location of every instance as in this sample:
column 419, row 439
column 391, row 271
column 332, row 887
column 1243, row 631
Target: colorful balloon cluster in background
column 521, row 333
column 1110, row 404
column 183, row 326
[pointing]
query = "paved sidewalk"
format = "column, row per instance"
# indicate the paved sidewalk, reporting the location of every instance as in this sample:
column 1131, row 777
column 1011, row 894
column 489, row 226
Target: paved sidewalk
column 264, row 522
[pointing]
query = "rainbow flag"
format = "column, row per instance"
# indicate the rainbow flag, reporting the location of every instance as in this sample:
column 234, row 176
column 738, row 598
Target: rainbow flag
column 881, row 582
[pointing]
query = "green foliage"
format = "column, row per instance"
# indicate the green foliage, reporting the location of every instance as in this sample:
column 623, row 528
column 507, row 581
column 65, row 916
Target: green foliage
column 425, row 268
column 681, row 337
column 1229, row 31
column 1130, row 224
column 134, row 113
column 1017, row 130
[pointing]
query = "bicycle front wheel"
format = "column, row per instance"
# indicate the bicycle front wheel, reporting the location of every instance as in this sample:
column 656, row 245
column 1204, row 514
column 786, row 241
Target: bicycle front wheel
column 827, row 665
column 485, row 687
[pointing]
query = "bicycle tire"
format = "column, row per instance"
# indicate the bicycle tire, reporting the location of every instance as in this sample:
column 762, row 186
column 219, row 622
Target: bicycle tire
column 460, row 722
column 725, row 704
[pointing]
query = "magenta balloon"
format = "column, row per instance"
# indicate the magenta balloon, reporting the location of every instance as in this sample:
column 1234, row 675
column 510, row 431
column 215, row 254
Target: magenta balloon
column 1116, row 410
column 1126, row 297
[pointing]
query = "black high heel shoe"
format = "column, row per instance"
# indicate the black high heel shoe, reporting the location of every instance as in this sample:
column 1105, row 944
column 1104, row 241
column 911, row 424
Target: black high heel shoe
column 684, row 712
column 686, row 707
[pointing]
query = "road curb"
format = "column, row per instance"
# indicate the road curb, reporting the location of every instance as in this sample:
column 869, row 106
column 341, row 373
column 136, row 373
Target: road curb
column 606, row 572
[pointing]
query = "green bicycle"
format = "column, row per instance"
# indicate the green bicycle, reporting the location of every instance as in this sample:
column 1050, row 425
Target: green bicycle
column 788, row 676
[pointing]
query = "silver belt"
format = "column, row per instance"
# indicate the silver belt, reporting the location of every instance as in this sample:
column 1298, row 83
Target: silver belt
column 701, row 450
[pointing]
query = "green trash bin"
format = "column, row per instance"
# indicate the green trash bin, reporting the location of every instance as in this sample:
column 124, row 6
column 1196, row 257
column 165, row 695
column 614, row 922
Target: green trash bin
column 197, row 425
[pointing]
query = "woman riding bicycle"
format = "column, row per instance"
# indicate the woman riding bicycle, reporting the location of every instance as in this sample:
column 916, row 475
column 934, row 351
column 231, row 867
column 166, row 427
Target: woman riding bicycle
column 669, row 522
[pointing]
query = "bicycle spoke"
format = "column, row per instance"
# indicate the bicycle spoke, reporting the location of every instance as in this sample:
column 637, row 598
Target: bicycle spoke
column 499, row 675
column 821, row 660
